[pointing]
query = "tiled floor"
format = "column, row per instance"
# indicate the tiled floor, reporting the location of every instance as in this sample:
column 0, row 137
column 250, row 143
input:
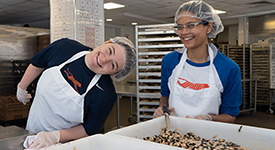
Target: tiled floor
column 260, row 119
column 124, row 114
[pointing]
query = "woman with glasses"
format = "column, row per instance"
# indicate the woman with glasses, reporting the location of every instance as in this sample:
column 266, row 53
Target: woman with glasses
column 198, row 81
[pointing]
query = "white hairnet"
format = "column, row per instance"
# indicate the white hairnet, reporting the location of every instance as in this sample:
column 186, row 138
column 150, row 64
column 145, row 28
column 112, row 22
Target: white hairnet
column 129, row 58
column 202, row 11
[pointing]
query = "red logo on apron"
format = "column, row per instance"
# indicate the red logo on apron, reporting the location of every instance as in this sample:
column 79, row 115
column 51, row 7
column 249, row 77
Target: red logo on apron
column 195, row 86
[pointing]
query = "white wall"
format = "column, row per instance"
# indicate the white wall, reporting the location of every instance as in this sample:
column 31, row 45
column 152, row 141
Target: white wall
column 109, row 33
column 261, row 28
column 222, row 38
column 232, row 35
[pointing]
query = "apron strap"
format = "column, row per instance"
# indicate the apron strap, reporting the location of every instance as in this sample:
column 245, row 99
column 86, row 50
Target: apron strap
column 211, row 69
column 92, row 83
column 76, row 56
column 182, row 62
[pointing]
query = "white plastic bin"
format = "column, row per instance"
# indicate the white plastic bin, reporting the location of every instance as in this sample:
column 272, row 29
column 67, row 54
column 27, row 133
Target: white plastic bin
column 112, row 142
column 250, row 137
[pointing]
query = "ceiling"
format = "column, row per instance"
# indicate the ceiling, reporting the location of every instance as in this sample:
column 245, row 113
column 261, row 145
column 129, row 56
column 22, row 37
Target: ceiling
column 144, row 12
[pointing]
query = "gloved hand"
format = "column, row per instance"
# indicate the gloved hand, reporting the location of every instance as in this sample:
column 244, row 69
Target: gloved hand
column 44, row 139
column 203, row 117
column 159, row 112
column 22, row 95
column 29, row 140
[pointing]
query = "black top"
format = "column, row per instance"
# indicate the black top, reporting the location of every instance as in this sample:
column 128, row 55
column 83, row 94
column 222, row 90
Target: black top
column 99, row 100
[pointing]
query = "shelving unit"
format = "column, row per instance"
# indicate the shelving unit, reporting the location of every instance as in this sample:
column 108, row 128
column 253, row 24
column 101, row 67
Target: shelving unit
column 153, row 42
column 224, row 49
column 272, row 78
column 241, row 55
column 260, row 69
column 263, row 67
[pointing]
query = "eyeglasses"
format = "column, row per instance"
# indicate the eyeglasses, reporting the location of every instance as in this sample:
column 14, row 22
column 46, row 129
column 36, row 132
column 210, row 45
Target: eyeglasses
column 189, row 27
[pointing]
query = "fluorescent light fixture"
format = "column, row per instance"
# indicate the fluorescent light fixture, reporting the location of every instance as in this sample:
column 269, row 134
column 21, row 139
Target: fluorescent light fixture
column 134, row 23
column 220, row 11
column 109, row 19
column 112, row 5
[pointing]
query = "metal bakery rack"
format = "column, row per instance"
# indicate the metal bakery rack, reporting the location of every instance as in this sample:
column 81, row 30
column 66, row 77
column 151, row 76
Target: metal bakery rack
column 263, row 67
column 241, row 55
column 153, row 42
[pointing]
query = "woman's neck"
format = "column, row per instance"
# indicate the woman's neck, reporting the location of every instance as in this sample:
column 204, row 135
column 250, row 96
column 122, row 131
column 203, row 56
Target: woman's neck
column 198, row 55
column 87, row 61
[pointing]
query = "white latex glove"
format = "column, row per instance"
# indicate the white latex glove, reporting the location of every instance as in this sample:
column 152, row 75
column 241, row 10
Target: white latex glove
column 22, row 95
column 203, row 117
column 43, row 139
column 159, row 112
column 29, row 140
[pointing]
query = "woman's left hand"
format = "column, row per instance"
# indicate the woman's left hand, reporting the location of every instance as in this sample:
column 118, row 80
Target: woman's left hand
column 45, row 139
column 202, row 117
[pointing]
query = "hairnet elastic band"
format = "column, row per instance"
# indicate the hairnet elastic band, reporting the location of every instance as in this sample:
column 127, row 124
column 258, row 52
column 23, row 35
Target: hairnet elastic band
column 122, row 53
column 188, row 16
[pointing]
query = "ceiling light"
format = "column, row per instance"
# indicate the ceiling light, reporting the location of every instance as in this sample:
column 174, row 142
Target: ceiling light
column 112, row 6
column 220, row 11
column 109, row 19
column 134, row 23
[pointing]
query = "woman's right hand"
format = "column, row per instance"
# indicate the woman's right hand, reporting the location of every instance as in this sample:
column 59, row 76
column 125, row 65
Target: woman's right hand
column 159, row 112
column 22, row 95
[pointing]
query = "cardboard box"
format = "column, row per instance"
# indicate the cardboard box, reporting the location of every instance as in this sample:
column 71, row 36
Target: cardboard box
column 43, row 42
column 12, row 109
column 250, row 137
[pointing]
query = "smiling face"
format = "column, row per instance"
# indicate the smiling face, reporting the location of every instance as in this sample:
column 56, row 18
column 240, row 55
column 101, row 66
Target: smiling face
column 106, row 58
column 195, row 38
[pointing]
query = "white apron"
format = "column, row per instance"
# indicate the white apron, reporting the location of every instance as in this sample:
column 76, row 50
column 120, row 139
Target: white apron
column 193, row 102
column 57, row 105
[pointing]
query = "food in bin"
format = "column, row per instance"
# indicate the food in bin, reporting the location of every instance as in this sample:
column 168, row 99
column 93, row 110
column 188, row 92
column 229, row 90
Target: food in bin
column 192, row 141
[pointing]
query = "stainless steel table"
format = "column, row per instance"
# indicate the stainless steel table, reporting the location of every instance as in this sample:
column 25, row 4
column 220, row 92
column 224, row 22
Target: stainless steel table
column 12, row 138
column 124, row 90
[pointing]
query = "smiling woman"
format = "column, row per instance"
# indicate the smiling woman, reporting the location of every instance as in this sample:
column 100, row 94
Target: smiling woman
column 107, row 58
column 75, row 93
column 198, row 81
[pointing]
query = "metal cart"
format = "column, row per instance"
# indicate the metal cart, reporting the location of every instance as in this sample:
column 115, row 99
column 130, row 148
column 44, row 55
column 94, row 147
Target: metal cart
column 272, row 78
column 241, row 55
column 250, row 101
column 262, row 58
column 152, row 43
